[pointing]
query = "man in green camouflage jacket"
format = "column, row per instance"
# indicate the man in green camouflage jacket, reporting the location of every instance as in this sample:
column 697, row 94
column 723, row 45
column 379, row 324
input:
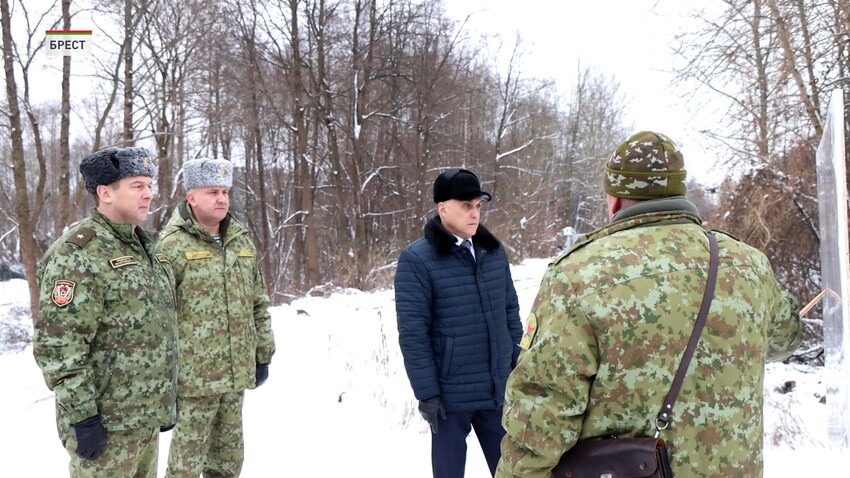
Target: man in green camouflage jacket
column 225, row 337
column 612, row 318
column 105, row 338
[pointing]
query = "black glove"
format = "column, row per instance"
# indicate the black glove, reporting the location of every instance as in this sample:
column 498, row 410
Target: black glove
column 262, row 373
column 431, row 410
column 91, row 438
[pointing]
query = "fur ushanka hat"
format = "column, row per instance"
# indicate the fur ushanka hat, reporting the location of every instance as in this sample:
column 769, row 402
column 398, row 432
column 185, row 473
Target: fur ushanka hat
column 108, row 165
column 207, row 173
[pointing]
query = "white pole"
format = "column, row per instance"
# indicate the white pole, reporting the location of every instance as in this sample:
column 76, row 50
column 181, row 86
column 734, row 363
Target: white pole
column 835, row 269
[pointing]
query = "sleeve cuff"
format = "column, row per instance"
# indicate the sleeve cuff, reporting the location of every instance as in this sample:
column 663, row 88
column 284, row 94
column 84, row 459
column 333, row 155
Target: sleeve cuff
column 79, row 413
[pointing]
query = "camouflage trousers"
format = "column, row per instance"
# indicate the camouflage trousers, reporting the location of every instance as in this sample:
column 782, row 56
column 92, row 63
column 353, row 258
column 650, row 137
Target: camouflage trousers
column 129, row 454
column 208, row 437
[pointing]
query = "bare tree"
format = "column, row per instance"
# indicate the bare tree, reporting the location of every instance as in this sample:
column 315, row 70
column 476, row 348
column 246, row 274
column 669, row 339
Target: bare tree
column 594, row 128
column 362, row 75
column 321, row 17
column 247, row 19
column 64, row 170
column 171, row 32
column 516, row 134
column 131, row 16
column 303, row 162
column 27, row 205
column 775, row 62
column 338, row 115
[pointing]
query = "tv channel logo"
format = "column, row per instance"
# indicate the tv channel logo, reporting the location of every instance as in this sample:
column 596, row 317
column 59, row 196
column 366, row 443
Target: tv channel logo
column 68, row 42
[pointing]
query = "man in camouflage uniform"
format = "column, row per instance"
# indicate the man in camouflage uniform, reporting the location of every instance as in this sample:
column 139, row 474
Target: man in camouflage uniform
column 225, row 337
column 105, row 335
column 612, row 318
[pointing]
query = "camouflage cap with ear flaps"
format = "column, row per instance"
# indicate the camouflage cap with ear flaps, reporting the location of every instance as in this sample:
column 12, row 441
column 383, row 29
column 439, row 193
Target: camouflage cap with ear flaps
column 647, row 165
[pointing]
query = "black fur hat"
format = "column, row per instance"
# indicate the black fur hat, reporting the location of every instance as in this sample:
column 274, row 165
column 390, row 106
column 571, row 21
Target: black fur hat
column 460, row 184
column 108, row 165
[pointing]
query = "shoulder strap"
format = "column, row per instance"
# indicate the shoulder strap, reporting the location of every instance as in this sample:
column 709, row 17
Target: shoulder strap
column 663, row 419
column 81, row 236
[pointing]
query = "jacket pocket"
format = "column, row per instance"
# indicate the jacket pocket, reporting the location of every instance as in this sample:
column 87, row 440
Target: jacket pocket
column 105, row 380
column 448, row 352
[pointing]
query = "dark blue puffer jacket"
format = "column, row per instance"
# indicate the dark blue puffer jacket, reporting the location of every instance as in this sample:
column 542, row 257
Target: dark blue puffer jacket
column 458, row 319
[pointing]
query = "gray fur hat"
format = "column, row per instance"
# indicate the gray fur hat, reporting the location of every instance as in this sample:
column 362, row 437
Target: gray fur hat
column 207, row 173
column 108, row 165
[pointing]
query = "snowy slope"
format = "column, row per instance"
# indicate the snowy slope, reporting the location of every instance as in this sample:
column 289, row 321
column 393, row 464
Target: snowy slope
column 338, row 402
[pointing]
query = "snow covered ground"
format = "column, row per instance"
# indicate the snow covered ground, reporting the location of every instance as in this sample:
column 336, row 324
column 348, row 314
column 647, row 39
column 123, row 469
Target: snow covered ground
column 338, row 403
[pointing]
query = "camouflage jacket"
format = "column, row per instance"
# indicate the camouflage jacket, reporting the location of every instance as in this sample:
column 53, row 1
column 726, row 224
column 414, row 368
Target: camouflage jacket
column 607, row 331
column 105, row 338
column 224, row 327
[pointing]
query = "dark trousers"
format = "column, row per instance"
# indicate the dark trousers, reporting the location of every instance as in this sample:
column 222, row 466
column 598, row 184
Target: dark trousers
column 448, row 445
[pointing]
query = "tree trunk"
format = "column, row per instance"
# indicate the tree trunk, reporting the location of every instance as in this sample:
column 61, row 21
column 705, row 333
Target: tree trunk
column 788, row 53
column 360, row 73
column 127, row 133
column 343, row 260
column 66, row 205
column 256, row 134
column 26, row 222
column 762, row 93
column 305, row 178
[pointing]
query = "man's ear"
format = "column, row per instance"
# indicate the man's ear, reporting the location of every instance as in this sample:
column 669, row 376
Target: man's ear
column 614, row 206
column 104, row 194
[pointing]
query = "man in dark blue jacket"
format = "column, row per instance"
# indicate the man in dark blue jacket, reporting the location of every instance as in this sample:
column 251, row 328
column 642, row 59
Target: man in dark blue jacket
column 458, row 324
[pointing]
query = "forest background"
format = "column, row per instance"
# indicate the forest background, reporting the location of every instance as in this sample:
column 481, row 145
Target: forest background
column 338, row 114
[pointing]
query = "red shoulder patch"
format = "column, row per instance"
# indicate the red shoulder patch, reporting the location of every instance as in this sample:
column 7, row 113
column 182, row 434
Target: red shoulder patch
column 63, row 292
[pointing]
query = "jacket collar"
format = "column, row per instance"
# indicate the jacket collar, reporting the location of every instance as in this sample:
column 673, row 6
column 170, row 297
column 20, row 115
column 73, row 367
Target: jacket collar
column 671, row 205
column 672, row 210
column 183, row 218
column 444, row 241
column 125, row 232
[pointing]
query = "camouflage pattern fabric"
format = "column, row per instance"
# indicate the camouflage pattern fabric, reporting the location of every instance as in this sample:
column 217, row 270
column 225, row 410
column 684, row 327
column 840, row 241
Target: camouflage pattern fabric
column 208, row 437
column 105, row 336
column 129, row 454
column 606, row 334
column 222, row 306
column 645, row 166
